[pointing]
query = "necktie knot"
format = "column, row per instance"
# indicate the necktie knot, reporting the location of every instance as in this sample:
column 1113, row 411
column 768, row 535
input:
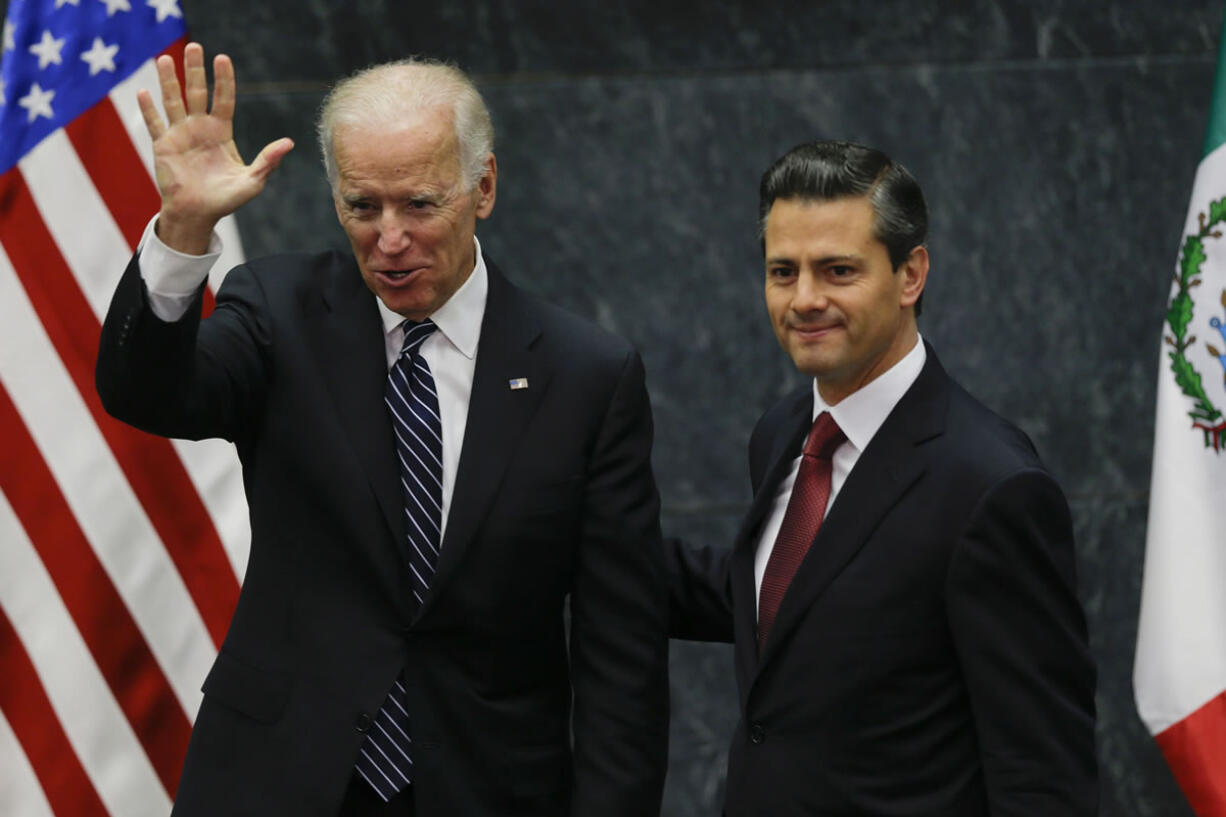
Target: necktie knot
column 825, row 437
column 415, row 334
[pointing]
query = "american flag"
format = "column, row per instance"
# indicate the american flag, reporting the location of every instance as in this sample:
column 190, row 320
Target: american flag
column 120, row 553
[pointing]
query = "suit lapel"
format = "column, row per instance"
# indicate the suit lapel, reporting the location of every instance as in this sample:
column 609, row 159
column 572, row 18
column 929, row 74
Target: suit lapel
column 784, row 446
column 880, row 479
column 347, row 344
column 497, row 415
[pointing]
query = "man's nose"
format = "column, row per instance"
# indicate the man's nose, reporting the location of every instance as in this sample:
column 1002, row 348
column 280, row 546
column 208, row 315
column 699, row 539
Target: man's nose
column 810, row 294
column 394, row 235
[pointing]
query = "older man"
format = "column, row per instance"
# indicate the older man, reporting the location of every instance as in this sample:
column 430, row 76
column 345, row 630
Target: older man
column 901, row 593
column 435, row 464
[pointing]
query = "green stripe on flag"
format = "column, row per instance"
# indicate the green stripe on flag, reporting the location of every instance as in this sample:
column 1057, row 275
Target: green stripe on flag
column 1215, row 131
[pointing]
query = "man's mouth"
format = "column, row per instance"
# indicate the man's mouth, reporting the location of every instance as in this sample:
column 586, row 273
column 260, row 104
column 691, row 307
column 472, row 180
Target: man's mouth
column 396, row 276
column 813, row 329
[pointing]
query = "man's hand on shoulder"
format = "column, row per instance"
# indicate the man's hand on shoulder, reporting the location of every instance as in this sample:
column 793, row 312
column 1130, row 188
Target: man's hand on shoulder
column 200, row 174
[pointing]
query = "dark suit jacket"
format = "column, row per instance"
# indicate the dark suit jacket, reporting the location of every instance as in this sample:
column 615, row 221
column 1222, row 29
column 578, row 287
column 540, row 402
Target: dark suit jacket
column 554, row 500
column 929, row 658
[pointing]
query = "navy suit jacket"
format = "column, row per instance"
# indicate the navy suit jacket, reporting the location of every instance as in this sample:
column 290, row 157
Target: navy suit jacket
column 554, row 503
column 930, row 656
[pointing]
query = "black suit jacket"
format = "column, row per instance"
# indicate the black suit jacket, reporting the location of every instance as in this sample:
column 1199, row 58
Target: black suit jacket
column 554, row 500
column 930, row 655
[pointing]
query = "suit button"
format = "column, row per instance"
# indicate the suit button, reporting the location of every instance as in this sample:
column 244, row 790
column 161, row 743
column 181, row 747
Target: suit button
column 756, row 733
column 363, row 723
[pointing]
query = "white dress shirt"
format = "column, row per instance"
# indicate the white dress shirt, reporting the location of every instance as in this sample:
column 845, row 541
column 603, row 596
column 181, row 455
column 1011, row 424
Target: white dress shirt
column 859, row 415
column 172, row 279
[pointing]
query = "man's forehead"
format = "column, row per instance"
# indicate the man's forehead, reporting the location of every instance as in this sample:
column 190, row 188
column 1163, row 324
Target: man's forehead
column 424, row 156
column 817, row 216
column 840, row 228
column 427, row 130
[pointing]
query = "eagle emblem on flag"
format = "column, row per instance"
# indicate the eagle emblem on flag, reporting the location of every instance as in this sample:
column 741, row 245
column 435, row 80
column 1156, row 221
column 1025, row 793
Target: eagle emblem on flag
column 1194, row 268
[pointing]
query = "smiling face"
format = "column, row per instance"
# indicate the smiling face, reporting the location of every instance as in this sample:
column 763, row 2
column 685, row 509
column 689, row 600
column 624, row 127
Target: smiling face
column 839, row 309
column 399, row 197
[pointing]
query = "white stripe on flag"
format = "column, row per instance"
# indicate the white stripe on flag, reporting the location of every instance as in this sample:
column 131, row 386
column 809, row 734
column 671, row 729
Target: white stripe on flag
column 19, row 787
column 96, row 490
column 213, row 467
column 96, row 727
column 123, row 97
column 67, row 200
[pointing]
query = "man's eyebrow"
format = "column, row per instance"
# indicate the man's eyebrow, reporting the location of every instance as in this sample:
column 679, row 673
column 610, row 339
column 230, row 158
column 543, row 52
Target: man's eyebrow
column 823, row 261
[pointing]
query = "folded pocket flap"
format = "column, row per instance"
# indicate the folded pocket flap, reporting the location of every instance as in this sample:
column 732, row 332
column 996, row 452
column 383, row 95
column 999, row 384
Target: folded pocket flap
column 258, row 693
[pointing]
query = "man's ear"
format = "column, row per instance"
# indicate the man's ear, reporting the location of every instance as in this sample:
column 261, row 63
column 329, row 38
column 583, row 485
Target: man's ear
column 914, row 272
column 487, row 188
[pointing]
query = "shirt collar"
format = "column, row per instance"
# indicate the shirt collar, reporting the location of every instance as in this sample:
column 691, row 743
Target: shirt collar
column 861, row 413
column 459, row 319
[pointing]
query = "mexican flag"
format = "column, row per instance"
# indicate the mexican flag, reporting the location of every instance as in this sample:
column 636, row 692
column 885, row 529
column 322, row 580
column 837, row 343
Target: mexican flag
column 1180, row 671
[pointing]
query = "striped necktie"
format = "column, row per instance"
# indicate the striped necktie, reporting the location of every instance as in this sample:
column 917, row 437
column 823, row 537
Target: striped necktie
column 384, row 760
column 412, row 404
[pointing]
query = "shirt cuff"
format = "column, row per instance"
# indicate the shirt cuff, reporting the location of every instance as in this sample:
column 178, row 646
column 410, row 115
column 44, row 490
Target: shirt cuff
column 172, row 277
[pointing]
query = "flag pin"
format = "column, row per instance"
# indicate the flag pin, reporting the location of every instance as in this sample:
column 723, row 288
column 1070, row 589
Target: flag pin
column 518, row 383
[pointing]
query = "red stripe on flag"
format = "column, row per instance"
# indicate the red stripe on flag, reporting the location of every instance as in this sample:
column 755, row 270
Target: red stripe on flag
column 175, row 52
column 1194, row 748
column 150, row 463
column 109, row 631
column 63, row 780
column 102, row 143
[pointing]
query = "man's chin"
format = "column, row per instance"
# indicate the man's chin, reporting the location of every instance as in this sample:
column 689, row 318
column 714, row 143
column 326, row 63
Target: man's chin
column 403, row 305
column 812, row 362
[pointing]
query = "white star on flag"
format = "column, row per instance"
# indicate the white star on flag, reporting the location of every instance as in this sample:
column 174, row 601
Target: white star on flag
column 100, row 56
column 3, row 94
column 113, row 6
column 165, row 8
column 59, row 3
column 9, row 43
column 47, row 50
column 37, row 102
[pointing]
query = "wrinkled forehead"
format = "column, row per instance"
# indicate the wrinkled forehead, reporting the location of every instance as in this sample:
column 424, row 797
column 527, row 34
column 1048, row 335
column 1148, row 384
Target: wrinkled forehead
column 422, row 147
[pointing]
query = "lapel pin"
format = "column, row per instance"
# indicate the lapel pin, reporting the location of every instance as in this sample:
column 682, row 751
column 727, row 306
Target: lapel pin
column 518, row 383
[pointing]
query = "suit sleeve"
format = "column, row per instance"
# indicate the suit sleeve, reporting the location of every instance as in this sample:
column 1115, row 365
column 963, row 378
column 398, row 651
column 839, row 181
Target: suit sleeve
column 187, row 378
column 700, row 599
column 618, row 605
column 1021, row 639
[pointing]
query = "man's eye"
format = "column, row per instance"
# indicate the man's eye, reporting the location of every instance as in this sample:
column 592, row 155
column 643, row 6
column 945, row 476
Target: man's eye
column 420, row 204
column 841, row 271
column 779, row 272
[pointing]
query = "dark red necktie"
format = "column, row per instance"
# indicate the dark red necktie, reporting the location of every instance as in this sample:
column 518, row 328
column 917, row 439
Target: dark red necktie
column 803, row 517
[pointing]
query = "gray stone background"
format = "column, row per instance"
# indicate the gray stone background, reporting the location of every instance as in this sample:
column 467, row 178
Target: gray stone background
column 1056, row 142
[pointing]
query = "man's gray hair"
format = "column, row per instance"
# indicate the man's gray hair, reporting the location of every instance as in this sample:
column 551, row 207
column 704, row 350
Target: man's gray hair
column 385, row 94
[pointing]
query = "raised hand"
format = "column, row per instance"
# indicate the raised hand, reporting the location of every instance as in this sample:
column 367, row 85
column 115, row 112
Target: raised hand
column 200, row 173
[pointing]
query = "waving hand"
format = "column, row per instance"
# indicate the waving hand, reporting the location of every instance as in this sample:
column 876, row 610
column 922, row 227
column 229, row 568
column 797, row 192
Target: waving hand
column 200, row 173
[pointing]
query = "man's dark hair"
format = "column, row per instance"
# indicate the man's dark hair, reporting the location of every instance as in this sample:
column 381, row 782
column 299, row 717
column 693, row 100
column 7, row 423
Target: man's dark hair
column 822, row 171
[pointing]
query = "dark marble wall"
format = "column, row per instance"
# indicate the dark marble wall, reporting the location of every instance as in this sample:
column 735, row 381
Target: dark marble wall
column 1056, row 141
